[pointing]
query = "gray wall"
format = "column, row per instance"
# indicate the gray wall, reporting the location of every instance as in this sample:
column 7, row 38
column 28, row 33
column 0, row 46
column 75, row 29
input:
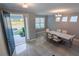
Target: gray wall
column 51, row 22
column 31, row 23
column 72, row 28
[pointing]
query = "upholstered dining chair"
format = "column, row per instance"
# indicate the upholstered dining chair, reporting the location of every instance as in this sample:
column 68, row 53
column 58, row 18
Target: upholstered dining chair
column 71, row 40
column 56, row 39
column 58, row 30
column 64, row 31
column 47, row 30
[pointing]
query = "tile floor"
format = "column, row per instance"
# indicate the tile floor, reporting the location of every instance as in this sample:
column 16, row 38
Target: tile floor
column 41, row 47
column 19, row 40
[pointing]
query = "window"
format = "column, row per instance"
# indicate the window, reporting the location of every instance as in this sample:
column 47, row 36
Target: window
column 57, row 19
column 73, row 18
column 64, row 19
column 39, row 22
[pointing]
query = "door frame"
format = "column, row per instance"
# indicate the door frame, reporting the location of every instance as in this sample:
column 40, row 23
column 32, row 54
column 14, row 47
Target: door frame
column 26, row 23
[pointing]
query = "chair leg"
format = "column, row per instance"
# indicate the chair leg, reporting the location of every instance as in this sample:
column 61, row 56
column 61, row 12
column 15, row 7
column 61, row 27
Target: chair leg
column 67, row 43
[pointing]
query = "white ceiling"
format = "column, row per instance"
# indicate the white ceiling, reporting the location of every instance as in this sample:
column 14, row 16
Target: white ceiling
column 42, row 8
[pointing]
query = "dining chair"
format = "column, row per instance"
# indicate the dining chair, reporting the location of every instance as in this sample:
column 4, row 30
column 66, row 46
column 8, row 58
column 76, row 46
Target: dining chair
column 50, row 36
column 47, row 30
column 56, row 39
column 64, row 31
column 71, row 40
column 58, row 30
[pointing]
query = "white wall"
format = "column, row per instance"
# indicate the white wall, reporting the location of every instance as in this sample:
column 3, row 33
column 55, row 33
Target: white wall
column 3, row 50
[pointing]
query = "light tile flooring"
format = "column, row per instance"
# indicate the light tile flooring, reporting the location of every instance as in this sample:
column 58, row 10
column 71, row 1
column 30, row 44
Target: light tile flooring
column 19, row 40
column 41, row 47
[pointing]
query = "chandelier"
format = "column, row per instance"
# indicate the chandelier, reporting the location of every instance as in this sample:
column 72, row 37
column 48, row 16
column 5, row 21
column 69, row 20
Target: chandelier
column 58, row 15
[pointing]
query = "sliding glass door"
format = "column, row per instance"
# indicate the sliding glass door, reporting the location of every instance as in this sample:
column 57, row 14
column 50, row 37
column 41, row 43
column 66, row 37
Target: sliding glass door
column 18, row 28
column 6, row 23
column 15, row 30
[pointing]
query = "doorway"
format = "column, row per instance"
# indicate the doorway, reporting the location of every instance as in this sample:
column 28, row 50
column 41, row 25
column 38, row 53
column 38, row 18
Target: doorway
column 18, row 28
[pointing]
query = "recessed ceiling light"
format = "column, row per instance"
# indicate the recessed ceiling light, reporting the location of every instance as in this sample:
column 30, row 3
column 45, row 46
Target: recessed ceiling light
column 25, row 5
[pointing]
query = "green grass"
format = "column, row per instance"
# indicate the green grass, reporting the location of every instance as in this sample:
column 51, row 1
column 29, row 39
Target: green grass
column 20, row 32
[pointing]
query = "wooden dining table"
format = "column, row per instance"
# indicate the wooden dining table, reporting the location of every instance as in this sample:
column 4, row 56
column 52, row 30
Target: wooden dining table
column 63, row 36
